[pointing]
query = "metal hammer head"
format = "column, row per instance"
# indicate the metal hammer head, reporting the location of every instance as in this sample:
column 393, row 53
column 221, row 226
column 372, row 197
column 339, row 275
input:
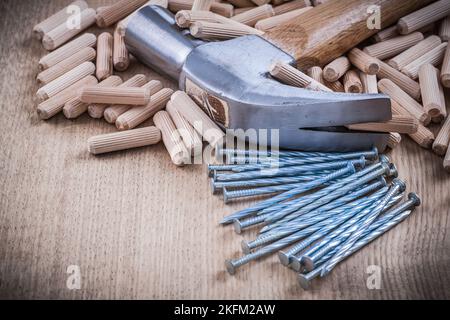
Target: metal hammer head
column 230, row 80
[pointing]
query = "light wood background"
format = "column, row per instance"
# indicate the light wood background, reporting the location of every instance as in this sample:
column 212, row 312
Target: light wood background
column 140, row 228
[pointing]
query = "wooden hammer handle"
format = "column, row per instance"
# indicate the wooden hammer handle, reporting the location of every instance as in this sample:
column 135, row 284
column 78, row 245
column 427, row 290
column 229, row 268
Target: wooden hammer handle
column 331, row 29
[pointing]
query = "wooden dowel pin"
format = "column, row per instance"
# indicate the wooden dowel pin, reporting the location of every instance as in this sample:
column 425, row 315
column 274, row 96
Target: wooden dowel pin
column 336, row 69
column 420, row 18
column 433, row 99
column 389, row 48
column 121, row 56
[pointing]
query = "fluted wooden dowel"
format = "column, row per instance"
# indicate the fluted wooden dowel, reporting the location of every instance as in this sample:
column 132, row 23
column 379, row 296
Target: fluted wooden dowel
column 260, row 2
column 56, row 19
column 433, row 99
column 336, row 69
column 352, row 82
column 391, row 47
column 135, row 116
column 316, row 73
column 185, row 18
column 386, row 34
column 369, row 82
column 404, row 101
column 112, row 112
column 120, row 9
column 407, row 84
column 434, row 57
column 444, row 29
column 97, row 110
column 442, row 141
column 272, row 22
column 207, row 129
column 65, row 81
column 294, row 77
column 64, row 32
column 399, row 124
column 394, row 140
column 335, row 86
column 68, row 50
column 241, row 3
column 75, row 107
column 50, row 74
column 291, row 6
column 423, row 137
column 104, row 56
column 403, row 59
column 446, row 162
column 420, row 18
column 224, row 9
column 109, row 95
column 202, row 5
column 121, row 56
column 363, row 61
column 445, row 70
column 252, row 16
column 54, row 105
column 190, row 137
column 124, row 140
column 211, row 30
column 171, row 138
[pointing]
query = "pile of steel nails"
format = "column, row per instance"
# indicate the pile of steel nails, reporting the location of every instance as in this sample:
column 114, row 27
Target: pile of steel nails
column 323, row 206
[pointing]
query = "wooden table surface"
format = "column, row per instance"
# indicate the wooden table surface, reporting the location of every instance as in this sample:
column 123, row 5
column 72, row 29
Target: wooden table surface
column 140, row 228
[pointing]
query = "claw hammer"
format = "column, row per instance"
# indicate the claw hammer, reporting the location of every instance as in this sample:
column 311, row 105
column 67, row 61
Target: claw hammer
column 230, row 79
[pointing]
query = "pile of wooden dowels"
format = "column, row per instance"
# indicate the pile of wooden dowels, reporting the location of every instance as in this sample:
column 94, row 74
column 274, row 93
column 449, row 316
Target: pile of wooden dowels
column 78, row 77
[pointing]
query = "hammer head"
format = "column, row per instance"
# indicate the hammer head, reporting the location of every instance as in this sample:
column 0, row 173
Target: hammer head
column 230, row 80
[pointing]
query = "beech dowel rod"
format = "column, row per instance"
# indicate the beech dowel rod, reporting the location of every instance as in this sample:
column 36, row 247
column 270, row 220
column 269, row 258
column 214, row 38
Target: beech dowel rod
column 352, row 82
column 290, row 75
column 68, row 50
column 386, row 34
column 424, row 16
column 111, row 112
column 64, row 32
column 124, row 140
column 275, row 21
column 442, row 141
column 171, row 138
column 104, row 56
column 394, row 140
column 197, row 118
column 252, row 16
column 65, row 81
column 109, row 95
column 399, row 124
column 190, row 137
column 445, row 70
column 423, row 137
column 135, row 116
column 444, row 29
column 432, row 92
column 202, row 5
column 404, row 101
column 211, row 30
column 446, row 162
column 336, row 69
column 369, row 83
column 316, row 73
column 403, row 59
column 121, row 56
column 54, row 105
column 50, row 74
column 291, row 6
column 435, row 57
column 75, row 107
column 241, row 4
column 363, row 61
column 119, row 10
column 58, row 18
column 390, row 48
column 407, row 84
column 224, row 9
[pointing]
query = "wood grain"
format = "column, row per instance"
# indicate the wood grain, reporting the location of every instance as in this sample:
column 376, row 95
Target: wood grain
column 140, row 228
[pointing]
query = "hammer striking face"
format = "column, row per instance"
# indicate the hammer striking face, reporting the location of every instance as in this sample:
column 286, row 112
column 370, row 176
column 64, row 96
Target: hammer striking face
column 230, row 80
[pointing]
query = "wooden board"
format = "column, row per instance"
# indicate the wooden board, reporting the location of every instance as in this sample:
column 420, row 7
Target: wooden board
column 140, row 228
